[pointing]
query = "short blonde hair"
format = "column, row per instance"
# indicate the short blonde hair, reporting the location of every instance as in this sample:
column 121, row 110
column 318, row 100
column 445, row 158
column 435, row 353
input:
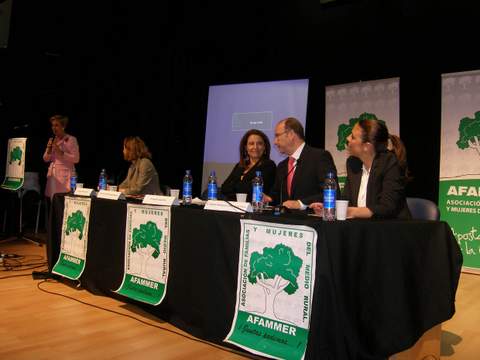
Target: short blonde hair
column 63, row 120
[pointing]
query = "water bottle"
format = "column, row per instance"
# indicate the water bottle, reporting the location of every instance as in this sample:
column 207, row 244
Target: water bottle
column 102, row 180
column 329, row 197
column 73, row 181
column 212, row 186
column 187, row 188
column 257, row 192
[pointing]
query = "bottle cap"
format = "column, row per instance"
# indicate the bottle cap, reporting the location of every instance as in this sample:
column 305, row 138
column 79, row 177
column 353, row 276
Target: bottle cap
column 258, row 173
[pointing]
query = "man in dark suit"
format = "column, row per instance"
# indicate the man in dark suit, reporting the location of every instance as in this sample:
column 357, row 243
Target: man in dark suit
column 300, row 176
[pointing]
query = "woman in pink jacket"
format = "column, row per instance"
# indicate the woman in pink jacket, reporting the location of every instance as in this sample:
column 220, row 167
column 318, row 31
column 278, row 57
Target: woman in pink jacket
column 63, row 153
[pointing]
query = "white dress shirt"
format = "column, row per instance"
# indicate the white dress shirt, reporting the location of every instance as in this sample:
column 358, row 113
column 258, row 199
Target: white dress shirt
column 362, row 191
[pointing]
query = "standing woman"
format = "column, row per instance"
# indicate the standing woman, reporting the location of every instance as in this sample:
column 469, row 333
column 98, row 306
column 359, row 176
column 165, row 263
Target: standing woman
column 63, row 153
column 142, row 178
column 254, row 156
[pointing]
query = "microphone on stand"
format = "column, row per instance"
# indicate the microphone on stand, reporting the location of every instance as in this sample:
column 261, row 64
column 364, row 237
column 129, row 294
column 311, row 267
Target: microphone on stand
column 280, row 209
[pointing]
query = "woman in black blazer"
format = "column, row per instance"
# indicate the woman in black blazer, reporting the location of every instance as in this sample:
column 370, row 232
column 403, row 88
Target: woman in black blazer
column 254, row 156
column 375, row 185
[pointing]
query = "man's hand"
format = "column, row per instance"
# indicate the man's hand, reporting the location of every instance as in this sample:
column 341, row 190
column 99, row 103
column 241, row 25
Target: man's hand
column 292, row 204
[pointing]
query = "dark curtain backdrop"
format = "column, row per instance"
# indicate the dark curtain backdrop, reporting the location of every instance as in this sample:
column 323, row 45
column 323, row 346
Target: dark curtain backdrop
column 118, row 68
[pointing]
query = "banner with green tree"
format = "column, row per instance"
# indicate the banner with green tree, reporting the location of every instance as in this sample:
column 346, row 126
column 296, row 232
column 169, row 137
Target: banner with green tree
column 459, row 188
column 73, row 249
column 276, row 276
column 147, row 247
column 15, row 168
column 346, row 104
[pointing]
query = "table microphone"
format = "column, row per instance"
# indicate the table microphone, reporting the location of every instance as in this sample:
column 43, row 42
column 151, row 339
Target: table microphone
column 280, row 208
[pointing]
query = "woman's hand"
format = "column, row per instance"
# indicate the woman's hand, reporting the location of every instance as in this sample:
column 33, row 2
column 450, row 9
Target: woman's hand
column 317, row 207
column 49, row 145
column 56, row 148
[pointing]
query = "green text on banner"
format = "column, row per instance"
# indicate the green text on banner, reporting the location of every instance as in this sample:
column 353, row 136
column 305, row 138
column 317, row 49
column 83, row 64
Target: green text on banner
column 73, row 251
column 346, row 104
column 15, row 169
column 147, row 244
column 276, row 274
column 459, row 190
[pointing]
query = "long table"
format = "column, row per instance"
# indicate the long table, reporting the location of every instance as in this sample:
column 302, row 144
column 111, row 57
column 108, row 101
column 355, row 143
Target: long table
column 379, row 284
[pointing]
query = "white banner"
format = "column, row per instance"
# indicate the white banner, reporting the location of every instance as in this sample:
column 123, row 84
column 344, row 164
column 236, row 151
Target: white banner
column 73, row 250
column 276, row 277
column 15, row 169
column 459, row 189
column 346, row 104
column 147, row 247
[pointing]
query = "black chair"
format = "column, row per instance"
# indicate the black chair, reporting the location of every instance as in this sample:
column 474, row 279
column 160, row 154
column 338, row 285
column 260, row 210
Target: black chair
column 165, row 189
column 423, row 209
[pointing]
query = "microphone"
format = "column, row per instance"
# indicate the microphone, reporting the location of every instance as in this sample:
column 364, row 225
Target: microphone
column 280, row 208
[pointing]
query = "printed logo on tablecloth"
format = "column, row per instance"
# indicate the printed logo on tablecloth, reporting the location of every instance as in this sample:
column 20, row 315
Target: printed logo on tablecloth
column 276, row 274
column 73, row 251
column 147, row 247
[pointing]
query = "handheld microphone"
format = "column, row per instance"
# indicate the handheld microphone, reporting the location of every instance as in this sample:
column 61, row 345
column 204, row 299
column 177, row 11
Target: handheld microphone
column 280, row 208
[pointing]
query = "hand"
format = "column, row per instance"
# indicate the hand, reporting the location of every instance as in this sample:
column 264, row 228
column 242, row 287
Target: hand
column 57, row 149
column 49, row 145
column 267, row 199
column 291, row 204
column 317, row 207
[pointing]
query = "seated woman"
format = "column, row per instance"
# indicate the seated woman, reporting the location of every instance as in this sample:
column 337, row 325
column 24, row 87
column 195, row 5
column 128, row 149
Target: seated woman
column 142, row 178
column 254, row 156
column 375, row 185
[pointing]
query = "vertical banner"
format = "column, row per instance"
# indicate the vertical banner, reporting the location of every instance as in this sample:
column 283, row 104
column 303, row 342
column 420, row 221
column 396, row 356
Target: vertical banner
column 348, row 103
column 15, row 169
column 276, row 275
column 147, row 247
column 459, row 188
column 73, row 250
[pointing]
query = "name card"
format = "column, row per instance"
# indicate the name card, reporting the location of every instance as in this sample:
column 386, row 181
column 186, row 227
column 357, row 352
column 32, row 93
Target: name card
column 110, row 195
column 84, row 192
column 160, row 200
column 231, row 206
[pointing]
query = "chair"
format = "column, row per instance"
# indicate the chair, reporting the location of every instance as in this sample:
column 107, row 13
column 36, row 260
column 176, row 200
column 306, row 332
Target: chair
column 32, row 183
column 423, row 209
column 165, row 189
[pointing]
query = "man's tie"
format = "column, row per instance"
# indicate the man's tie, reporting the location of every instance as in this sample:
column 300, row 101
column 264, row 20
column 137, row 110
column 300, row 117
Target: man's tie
column 291, row 163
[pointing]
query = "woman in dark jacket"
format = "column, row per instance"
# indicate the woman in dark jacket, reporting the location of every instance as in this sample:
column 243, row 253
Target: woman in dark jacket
column 375, row 185
column 254, row 156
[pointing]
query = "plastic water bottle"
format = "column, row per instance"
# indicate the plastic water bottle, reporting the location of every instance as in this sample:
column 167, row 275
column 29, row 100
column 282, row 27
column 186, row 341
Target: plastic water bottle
column 257, row 192
column 73, row 181
column 329, row 197
column 212, row 186
column 187, row 188
column 102, row 180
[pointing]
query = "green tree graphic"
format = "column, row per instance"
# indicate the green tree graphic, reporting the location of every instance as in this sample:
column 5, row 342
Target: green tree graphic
column 146, row 242
column 469, row 133
column 76, row 221
column 344, row 130
column 275, row 270
column 16, row 154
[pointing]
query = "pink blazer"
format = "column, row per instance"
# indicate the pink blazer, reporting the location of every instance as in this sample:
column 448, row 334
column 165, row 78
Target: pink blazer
column 61, row 166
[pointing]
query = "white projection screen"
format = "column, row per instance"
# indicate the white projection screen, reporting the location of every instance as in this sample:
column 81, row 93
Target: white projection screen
column 234, row 109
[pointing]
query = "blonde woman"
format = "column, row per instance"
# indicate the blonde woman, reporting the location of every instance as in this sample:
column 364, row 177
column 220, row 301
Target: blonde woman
column 62, row 153
column 142, row 178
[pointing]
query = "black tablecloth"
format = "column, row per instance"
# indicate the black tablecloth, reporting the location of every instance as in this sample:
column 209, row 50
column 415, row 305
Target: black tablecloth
column 379, row 284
